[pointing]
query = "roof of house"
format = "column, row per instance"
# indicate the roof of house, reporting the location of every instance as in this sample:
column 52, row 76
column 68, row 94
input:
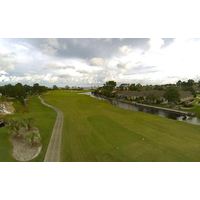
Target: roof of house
column 156, row 93
column 124, row 84
column 185, row 94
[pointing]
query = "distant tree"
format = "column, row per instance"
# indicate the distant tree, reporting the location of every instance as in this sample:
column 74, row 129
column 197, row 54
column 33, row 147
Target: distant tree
column 36, row 88
column 190, row 82
column 172, row 95
column 135, row 87
column 107, row 89
column 19, row 92
column 149, row 87
column 139, row 87
column 158, row 87
column 55, row 87
column 9, row 90
column 179, row 83
column 132, row 87
column 110, row 84
column 28, row 89
column 67, row 87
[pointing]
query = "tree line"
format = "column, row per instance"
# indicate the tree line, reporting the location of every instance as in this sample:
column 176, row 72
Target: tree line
column 20, row 91
column 172, row 91
column 55, row 87
column 189, row 85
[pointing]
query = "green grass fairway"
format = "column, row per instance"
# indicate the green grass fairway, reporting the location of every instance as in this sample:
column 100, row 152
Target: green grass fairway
column 5, row 146
column 94, row 130
column 44, row 120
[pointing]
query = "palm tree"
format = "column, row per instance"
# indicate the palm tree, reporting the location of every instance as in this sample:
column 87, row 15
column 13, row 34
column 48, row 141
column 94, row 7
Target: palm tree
column 14, row 127
column 30, row 123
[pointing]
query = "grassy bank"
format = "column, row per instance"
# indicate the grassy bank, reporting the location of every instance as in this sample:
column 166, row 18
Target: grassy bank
column 44, row 119
column 195, row 107
column 94, row 130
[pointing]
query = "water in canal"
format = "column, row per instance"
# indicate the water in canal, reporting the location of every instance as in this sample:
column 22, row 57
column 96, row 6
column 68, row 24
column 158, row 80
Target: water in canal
column 162, row 113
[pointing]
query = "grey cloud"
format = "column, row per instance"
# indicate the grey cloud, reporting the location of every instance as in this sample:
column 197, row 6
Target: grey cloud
column 51, row 46
column 82, row 71
column 7, row 61
column 84, row 48
column 96, row 61
column 121, row 65
column 64, row 76
column 100, row 56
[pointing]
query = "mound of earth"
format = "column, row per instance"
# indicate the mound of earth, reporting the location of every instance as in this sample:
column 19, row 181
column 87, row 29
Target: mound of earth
column 6, row 108
column 23, row 150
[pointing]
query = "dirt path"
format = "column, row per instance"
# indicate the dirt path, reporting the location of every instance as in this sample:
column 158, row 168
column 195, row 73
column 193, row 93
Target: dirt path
column 53, row 150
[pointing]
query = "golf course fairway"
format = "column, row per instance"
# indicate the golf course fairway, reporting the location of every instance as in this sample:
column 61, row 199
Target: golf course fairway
column 95, row 130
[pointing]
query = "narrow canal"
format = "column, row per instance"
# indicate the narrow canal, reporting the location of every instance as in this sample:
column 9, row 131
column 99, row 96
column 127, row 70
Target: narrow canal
column 155, row 111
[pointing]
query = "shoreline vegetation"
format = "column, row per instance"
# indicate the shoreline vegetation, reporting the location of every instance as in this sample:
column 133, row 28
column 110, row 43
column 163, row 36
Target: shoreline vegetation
column 182, row 96
column 159, row 107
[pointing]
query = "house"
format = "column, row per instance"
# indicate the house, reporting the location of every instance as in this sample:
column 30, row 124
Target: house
column 124, row 86
column 186, row 96
column 152, row 96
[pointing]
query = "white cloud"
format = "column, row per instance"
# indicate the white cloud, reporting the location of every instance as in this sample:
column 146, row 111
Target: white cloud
column 125, row 49
column 7, row 62
column 156, row 44
column 180, row 60
column 97, row 62
column 20, row 61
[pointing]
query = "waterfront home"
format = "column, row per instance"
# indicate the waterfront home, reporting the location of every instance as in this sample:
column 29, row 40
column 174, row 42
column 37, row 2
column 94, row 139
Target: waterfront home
column 186, row 96
column 124, row 86
column 152, row 96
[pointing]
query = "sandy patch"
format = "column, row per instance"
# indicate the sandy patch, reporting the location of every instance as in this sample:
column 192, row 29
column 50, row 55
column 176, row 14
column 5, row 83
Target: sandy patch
column 6, row 108
column 22, row 151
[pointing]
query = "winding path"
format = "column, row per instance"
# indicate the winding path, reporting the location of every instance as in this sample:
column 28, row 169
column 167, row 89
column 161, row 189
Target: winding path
column 53, row 150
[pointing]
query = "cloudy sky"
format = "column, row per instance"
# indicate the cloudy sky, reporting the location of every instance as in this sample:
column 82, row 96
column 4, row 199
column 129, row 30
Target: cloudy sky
column 88, row 62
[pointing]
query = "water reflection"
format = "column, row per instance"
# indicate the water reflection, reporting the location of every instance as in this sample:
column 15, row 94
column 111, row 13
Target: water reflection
column 161, row 113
